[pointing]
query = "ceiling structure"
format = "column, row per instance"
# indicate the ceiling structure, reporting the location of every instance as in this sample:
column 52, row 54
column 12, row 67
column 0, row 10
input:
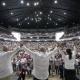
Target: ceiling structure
column 39, row 14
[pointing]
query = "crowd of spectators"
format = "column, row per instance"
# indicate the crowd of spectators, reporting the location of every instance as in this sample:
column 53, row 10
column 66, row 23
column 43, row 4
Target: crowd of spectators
column 24, row 59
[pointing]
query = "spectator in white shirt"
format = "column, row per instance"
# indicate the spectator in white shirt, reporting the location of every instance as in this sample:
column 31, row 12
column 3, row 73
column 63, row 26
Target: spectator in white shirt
column 69, row 64
column 41, row 63
column 5, row 61
column 14, row 64
column 51, row 66
column 57, row 64
column 77, row 65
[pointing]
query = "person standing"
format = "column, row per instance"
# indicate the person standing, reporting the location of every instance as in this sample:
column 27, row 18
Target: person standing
column 51, row 66
column 5, row 61
column 69, row 64
column 14, row 64
column 41, row 62
column 22, row 74
column 61, row 68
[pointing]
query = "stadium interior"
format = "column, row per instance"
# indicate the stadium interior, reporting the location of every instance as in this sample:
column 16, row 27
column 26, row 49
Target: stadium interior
column 37, row 23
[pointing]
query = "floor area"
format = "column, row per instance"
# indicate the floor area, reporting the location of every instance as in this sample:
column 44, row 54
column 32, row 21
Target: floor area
column 14, row 77
column 53, row 77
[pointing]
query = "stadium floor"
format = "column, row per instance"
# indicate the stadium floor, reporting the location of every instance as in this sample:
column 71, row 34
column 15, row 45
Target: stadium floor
column 54, row 77
column 14, row 77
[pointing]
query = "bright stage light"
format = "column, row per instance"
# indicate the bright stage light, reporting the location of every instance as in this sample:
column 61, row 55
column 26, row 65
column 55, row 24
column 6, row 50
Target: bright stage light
column 58, row 35
column 17, row 35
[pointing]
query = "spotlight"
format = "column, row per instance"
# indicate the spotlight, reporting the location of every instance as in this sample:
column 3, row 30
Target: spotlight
column 51, row 11
column 4, row 4
column 28, row 23
column 17, row 19
column 36, row 3
column 11, row 13
column 22, row 2
column 40, row 12
column 65, row 13
column 28, row 4
column 55, row 1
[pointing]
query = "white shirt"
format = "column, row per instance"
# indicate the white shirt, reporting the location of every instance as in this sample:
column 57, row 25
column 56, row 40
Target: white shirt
column 41, row 63
column 17, row 62
column 69, row 63
column 40, row 66
column 57, row 61
column 77, row 60
column 23, row 60
column 5, row 63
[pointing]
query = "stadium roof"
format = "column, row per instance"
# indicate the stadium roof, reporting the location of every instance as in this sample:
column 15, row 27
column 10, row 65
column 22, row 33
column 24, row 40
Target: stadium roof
column 39, row 14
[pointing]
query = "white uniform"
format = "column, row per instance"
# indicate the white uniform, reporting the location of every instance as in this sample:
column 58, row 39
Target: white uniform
column 41, row 63
column 5, row 63
column 69, row 63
